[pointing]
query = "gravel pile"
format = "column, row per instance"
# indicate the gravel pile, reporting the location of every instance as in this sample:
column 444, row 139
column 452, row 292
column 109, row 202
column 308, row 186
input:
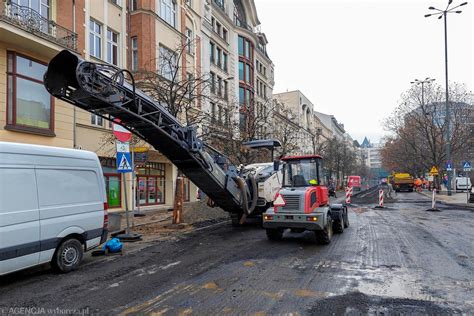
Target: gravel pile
column 195, row 212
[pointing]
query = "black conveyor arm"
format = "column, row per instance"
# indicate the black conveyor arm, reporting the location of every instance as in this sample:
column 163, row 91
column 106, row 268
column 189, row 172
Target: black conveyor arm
column 102, row 90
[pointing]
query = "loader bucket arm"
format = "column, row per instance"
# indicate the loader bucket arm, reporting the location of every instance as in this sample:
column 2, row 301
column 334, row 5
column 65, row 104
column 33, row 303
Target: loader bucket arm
column 102, row 90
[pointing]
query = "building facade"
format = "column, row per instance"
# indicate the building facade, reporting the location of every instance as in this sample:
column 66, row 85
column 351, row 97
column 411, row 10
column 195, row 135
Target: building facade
column 312, row 132
column 218, row 38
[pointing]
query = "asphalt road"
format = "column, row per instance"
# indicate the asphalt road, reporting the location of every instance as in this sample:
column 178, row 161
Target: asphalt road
column 398, row 260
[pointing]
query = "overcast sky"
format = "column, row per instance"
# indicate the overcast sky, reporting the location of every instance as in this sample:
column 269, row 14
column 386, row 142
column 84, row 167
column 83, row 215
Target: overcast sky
column 354, row 58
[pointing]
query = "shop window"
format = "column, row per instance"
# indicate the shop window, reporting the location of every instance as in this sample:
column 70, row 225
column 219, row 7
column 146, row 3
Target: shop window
column 113, row 189
column 29, row 105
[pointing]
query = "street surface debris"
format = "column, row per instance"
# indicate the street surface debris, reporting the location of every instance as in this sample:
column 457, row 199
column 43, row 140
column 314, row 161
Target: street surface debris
column 398, row 260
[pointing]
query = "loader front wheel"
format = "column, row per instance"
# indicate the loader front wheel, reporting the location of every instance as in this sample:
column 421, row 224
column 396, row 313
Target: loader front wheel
column 274, row 234
column 324, row 236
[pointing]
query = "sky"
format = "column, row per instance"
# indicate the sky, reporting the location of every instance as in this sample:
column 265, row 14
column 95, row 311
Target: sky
column 354, row 58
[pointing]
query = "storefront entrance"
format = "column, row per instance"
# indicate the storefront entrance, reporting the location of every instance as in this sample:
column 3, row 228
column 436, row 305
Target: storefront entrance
column 151, row 184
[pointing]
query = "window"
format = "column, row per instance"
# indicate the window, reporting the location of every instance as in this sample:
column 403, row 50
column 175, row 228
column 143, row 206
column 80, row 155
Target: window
column 219, row 86
column 213, row 82
column 97, row 120
column 167, row 63
column 226, row 93
column 29, row 105
column 95, row 39
column 241, row 46
column 112, row 48
column 220, row 117
column 134, row 5
column 225, row 58
column 224, row 34
column 42, row 7
column 116, row 2
column 241, row 96
column 213, row 111
column 168, row 11
column 189, row 41
column 212, row 51
column 218, row 55
column 247, row 73
column 134, row 53
column 241, row 70
column 189, row 3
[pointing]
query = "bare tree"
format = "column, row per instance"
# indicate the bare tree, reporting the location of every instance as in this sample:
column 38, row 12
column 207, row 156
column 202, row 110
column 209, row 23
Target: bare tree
column 228, row 128
column 419, row 129
column 177, row 85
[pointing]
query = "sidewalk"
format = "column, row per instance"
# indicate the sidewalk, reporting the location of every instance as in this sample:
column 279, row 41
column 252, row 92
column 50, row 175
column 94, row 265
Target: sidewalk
column 458, row 199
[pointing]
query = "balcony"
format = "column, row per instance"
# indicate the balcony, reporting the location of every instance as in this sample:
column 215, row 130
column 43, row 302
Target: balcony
column 31, row 21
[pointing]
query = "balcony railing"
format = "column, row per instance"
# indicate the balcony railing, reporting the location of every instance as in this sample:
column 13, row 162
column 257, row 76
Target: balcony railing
column 31, row 21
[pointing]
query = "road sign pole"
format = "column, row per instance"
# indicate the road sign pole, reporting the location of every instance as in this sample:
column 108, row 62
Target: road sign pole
column 127, row 231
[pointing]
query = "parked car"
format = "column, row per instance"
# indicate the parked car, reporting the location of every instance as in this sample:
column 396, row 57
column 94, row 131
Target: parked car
column 462, row 184
column 53, row 206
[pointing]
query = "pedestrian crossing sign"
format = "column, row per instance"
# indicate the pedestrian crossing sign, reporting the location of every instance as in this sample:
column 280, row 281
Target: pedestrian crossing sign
column 466, row 166
column 124, row 162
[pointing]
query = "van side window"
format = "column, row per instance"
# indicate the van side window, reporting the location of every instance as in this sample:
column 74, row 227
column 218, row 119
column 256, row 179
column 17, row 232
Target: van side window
column 17, row 191
column 59, row 187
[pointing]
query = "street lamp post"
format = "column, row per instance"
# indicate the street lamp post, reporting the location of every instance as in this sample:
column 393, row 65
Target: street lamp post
column 423, row 82
column 441, row 14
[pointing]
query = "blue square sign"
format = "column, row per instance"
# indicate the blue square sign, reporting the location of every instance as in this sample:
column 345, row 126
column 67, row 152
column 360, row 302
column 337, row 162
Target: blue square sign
column 124, row 162
column 466, row 165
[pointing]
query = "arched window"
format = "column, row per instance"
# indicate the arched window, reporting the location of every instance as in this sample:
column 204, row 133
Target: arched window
column 239, row 14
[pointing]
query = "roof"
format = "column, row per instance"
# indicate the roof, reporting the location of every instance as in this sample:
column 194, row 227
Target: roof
column 301, row 157
column 30, row 149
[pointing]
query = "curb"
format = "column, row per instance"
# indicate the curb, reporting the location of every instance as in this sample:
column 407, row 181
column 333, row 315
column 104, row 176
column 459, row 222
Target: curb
column 449, row 204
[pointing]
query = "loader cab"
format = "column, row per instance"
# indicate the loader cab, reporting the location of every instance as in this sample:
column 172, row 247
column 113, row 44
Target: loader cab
column 303, row 171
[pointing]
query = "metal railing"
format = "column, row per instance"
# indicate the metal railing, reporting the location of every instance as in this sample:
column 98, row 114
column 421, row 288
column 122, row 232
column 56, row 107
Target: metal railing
column 31, row 21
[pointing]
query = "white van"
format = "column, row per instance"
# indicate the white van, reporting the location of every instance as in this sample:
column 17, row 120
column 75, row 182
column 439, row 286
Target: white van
column 462, row 184
column 53, row 206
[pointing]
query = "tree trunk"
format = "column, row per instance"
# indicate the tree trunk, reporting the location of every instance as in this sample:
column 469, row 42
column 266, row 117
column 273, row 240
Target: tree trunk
column 178, row 201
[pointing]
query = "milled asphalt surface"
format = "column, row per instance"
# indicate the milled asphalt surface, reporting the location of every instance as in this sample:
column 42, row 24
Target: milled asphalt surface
column 397, row 260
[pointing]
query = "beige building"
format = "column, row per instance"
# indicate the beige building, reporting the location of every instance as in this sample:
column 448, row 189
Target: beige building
column 312, row 132
column 32, row 32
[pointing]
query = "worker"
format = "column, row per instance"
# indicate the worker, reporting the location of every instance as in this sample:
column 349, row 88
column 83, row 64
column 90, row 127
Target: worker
column 418, row 184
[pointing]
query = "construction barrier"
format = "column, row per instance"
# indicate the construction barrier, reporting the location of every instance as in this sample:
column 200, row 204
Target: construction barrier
column 348, row 195
column 433, row 203
column 381, row 198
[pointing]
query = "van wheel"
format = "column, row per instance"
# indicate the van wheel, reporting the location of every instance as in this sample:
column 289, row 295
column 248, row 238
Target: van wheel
column 68, row 256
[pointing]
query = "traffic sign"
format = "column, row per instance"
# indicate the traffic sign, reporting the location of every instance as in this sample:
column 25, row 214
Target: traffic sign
column 449, row 166
column 124, row 162
column 120, row 132
column 122, row 147
column 434, row 171
column 466, row 166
